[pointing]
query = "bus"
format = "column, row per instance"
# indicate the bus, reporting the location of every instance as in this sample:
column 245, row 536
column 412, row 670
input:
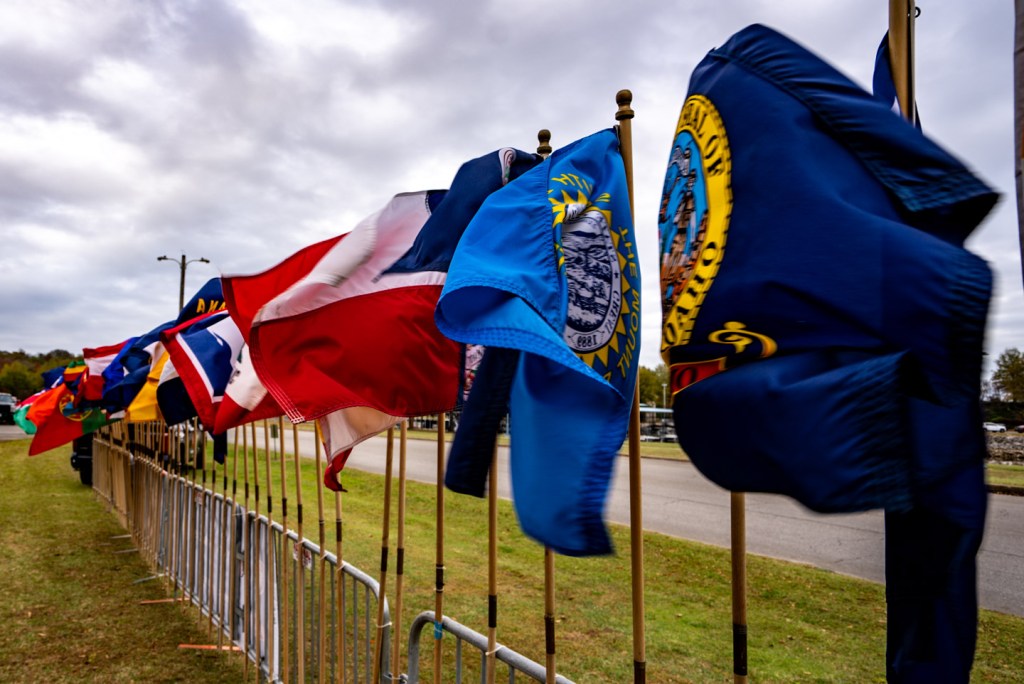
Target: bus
column 656, row 424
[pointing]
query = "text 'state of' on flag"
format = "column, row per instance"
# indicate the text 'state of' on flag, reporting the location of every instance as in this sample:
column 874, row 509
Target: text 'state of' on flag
column 815, row 289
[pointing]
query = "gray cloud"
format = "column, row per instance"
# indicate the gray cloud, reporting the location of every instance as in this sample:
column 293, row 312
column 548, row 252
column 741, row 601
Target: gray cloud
column 244, row 131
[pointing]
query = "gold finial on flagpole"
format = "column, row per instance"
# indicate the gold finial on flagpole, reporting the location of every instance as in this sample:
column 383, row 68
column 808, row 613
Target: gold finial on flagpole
column 901, row 54
column 544, row 138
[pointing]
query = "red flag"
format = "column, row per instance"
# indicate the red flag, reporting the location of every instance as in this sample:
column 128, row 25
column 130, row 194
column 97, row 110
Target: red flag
column 344, row 335
column 57, row 422
column 96, row 360
column 245, row 398
column 246, row 294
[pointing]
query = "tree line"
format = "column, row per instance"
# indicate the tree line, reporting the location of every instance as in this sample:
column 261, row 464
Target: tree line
column 21, row 373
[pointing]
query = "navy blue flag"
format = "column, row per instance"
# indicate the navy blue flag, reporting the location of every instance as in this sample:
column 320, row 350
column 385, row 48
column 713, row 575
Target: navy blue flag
column 126, row 375
column 823, row 325
column 546, row 277
column 475, row 180
column 53, row 377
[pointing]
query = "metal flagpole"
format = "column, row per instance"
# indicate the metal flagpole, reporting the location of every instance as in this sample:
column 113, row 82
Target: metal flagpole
column 624, row 115
column 399, row 556
column 285, row 560
column 439, row 552
column 300, row 595
column 378, row 649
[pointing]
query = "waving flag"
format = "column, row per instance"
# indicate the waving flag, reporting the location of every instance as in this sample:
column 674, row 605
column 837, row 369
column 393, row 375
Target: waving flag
column 97, row 360
column 825, row 300
column 245, row 398
column 546, row 277
column 349, row 336
column 57, row 420
column 145, row 407
column 203, row 353
column 128, row 371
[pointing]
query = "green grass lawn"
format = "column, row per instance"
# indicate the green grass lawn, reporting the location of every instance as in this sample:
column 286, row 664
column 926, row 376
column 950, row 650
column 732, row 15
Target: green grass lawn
column 69, row 607
column 805, row 624
column 1005, row 475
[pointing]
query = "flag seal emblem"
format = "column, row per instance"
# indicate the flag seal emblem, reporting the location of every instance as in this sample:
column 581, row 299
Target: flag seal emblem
column 594, row 282
column 693, row 221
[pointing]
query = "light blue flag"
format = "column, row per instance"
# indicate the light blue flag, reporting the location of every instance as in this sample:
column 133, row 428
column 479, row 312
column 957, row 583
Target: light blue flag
column 546, row 277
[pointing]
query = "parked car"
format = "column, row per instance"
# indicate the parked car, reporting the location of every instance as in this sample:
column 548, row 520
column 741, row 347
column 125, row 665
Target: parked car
column 81, row 458
column 994, row 427
column 7, row 402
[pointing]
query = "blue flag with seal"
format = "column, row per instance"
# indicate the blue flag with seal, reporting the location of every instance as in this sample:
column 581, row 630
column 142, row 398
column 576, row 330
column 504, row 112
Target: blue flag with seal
column 546, row 277
column 823, row 325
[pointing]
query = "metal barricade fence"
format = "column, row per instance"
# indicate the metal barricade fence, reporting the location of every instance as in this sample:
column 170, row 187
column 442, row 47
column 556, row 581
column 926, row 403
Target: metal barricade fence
column 209, row 548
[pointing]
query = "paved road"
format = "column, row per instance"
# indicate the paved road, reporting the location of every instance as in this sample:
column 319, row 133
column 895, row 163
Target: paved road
column 10, row 432
column 680, row 502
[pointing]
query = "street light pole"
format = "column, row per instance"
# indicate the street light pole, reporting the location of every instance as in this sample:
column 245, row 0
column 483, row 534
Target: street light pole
column 183, row 264
column 663, row 403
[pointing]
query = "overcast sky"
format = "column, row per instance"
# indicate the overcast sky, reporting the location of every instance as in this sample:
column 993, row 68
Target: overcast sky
column 243, row 131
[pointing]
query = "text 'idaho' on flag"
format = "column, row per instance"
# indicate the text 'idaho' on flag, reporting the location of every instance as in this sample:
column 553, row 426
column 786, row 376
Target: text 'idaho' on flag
column 546, row 278
column 823, row 325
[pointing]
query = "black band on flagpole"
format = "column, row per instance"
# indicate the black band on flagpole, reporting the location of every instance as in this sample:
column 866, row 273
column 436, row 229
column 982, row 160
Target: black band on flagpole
column 384, row 559
column 400, row 561
column 549, row 634
column 739, row 649
column 492, row 610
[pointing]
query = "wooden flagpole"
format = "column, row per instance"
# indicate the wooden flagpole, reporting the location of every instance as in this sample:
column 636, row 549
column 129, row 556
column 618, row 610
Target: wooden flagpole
column 191, row 448
column 339, row 595
column 550, row 666
column 396, row 618
column 268, row 596
column 247, row 540
column 439, row 551
column 174, row 485
column 544, row 149
column 286, row 559
column 901, row 54
column 737, row 501
column 300, row 597
column 209, row 532
column 624, row 115
column 378, row 649
column 228, row 547
column 257, row 547
column 322, row 541
column 492, row 567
